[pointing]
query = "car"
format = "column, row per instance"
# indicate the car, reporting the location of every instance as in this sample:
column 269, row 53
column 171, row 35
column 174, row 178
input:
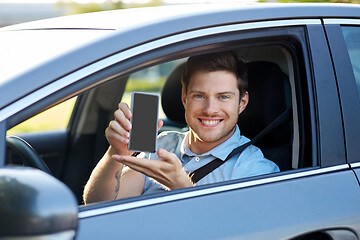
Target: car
column 304, row 83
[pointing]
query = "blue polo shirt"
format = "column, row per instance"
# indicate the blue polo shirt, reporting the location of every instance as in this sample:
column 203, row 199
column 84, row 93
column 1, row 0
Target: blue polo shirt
column 250, row 162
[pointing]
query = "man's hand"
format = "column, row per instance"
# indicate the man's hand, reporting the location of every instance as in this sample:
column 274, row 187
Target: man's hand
column 117, row 133
column 167, row 170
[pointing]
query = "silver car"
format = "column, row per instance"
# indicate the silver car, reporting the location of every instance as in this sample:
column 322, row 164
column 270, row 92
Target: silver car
column 303, row 60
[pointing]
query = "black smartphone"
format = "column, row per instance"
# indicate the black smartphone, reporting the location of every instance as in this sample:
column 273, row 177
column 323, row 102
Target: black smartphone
column 144, row 121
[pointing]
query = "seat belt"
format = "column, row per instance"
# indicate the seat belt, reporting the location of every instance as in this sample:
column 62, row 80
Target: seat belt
column 211, row 166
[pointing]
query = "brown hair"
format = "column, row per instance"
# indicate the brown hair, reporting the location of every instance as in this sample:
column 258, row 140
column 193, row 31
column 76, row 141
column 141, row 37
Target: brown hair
column 220, row 61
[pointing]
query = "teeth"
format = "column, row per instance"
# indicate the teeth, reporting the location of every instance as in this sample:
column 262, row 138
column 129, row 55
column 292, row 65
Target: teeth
column 211, row 122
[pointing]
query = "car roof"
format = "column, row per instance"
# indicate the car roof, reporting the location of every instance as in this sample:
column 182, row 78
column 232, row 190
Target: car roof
column 49, row 49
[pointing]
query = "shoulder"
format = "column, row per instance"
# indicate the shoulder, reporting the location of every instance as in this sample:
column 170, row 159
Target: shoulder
column 170, row 136
column 169, row 140
column 253, row 162
column 173, row 134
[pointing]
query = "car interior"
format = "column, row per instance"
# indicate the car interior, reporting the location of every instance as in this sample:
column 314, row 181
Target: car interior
column 272, row 92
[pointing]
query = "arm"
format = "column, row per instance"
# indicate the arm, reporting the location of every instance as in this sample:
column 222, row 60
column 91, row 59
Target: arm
column 107, row 181
column 110, row 180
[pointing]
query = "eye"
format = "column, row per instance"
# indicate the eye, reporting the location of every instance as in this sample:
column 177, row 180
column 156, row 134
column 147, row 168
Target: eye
column 197, row 96
column 224, row 97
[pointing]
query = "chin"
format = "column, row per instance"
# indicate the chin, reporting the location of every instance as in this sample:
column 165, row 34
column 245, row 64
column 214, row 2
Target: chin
column 215, row 136
column 210, row 138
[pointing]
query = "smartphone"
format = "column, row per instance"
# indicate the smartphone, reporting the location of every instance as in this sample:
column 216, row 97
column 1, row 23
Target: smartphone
column 144, row 121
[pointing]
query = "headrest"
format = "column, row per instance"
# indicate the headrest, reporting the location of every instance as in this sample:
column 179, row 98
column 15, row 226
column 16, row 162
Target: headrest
column 269, row 96
column 171, row 96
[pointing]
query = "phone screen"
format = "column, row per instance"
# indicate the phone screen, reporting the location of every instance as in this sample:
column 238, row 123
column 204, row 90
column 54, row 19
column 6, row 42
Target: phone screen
column 144, row 122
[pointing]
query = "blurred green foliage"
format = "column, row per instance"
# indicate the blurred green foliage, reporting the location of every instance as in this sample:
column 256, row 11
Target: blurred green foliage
column 77, row 8
column 54, row 118
column 314, row 1
column 144, row 85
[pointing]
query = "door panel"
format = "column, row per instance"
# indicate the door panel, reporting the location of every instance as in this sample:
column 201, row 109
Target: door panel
column 357, row 172
column 272, row 211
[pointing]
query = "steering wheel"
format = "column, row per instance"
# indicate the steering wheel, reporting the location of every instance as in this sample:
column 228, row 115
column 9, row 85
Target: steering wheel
column 27, row 153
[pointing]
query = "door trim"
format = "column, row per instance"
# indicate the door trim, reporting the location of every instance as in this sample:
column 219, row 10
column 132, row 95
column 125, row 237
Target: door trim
column 212, row 190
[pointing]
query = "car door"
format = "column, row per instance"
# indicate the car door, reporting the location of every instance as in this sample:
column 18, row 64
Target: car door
column 314, row 199
column 344, row 43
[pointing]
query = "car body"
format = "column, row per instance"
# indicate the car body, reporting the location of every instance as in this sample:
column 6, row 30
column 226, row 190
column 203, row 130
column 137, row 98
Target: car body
column 92, row 56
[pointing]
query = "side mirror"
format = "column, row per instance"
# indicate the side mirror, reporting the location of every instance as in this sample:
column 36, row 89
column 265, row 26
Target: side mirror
column 34, row 204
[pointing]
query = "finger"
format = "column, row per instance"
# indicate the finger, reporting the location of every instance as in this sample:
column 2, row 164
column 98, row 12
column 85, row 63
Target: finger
column 167, row 156
column 122, row 119
column 115, row 127
column 160, row 124
column 112, row 135
column 125, row 109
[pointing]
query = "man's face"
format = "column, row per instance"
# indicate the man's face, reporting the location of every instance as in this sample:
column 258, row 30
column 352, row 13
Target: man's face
column 212, row 106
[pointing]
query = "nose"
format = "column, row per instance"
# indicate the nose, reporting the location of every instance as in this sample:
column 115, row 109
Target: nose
column 210, row 106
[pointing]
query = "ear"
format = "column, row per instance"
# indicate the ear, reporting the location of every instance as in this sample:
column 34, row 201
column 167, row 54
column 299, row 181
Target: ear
column 183, row 97
column 243, row 102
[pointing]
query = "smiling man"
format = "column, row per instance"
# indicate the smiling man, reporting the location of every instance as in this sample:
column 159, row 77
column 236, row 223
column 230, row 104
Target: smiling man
column 213, row 94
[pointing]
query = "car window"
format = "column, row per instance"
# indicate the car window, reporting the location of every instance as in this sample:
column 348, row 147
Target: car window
column 352, row 39
column 55, row 118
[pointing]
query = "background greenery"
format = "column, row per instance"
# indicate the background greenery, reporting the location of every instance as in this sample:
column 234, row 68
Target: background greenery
column 118, row 4
column 52, row 119
column 76, row 8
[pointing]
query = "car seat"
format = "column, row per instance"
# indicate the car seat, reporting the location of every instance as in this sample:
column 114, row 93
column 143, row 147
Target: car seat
column 269, row 96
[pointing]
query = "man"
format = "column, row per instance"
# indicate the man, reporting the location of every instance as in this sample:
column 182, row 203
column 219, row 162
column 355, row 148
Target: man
column 213, row 94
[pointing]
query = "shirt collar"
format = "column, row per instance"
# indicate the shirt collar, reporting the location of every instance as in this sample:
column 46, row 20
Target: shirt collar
column 221, row 151
column 184, row 149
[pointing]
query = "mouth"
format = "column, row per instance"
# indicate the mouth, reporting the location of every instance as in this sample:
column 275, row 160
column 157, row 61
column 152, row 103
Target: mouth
column 210, row 122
